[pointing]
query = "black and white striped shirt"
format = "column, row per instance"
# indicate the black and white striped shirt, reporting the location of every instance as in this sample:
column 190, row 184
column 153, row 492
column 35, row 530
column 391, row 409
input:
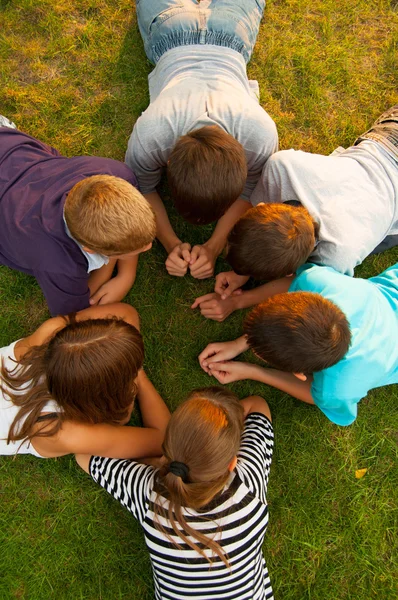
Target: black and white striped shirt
column 240, row 512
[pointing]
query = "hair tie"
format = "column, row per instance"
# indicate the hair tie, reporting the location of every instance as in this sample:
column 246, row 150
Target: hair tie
column 179, row 469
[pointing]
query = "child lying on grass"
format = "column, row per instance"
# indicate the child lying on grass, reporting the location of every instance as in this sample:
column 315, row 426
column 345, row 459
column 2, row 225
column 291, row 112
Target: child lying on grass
column 71, row 385
column 204, row 512
column 330, row 338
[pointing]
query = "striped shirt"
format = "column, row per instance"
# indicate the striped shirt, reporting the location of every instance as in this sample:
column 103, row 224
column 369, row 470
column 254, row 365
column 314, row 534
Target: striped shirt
column 237, row 519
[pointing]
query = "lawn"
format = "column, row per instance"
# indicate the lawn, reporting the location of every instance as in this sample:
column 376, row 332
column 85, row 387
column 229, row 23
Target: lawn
column 74, row 74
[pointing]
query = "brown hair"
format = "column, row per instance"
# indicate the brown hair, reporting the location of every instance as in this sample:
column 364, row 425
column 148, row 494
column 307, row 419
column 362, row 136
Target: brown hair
column 298, row 332
column 109, row 215
column 206, row 172
column 271, row 241
column 87, row 367
column 203, row 433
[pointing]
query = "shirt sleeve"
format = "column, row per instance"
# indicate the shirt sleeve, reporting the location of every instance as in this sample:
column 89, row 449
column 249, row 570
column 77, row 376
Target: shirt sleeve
column 260, row 142
column 328, row 397
column 64, row 294
column 127, row 481
column 146, row 164
column 255, row 453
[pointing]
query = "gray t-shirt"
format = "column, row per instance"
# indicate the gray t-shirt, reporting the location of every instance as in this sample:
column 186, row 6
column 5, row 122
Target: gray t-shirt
column 352, row 195
column 194, row 86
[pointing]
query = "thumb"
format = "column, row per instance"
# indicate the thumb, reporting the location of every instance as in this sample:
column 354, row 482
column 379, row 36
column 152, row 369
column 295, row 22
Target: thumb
column 95, row 298
column 186, row 254
column 237, row 292
column 194, row 255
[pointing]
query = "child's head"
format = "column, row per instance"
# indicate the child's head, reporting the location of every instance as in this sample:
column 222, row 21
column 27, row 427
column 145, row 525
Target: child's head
column 108, row 215
column 88, row 368
column 200, row 448
column 271, row 241
column 298, row 332
column 206, row 172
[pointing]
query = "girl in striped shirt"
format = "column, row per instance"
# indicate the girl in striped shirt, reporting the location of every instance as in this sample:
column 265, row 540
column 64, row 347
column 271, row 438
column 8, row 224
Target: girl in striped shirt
column 204, row 511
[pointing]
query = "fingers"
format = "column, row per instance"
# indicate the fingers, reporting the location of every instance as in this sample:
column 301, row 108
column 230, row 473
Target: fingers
column 221, row 285
column 185, row 252
column 210, row 350
column 201, row 299
column 176, row 264
column 219, row 375
column 95, row 298
column 195, row 255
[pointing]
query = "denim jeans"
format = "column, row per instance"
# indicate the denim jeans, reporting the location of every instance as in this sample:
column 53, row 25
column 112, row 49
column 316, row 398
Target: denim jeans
column 166, row 24
column 384, row 131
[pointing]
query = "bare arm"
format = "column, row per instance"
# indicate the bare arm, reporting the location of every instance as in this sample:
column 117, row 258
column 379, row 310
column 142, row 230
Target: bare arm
column 212, row 306
column 153, row 409
column 164, row 231
column 256, row 404
column 219, row 236
column 100, row 276
column 227, row 372
column 203, row 257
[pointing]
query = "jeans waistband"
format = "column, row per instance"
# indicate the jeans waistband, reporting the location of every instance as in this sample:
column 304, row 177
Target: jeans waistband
column 185, row 38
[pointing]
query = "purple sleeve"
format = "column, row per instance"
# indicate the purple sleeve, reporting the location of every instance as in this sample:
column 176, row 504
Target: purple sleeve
column 64, row 294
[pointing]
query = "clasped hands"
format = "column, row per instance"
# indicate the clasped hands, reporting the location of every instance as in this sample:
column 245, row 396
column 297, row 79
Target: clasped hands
column 217, row 360
column 200, row 260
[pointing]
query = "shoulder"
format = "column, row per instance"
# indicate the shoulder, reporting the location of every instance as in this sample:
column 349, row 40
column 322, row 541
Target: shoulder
column 315, row 278
column 42, row 335
column 97, row 165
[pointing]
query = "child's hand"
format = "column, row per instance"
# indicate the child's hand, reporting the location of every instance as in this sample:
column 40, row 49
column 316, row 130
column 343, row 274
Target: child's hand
column 178, row 260
column 219, row 351
column 227, row 283
column 228, row 372
column 113, row 290
column 202, row 262
column 212, row 307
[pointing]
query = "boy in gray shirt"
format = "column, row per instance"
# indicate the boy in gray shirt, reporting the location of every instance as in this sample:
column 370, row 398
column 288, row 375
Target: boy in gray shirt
column 204, row 120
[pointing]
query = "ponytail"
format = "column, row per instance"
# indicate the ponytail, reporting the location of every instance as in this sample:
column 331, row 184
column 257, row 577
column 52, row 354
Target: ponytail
column 202, row 439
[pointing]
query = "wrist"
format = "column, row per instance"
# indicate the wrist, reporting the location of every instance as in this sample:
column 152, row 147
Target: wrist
column 215, row 246
column 170, row 243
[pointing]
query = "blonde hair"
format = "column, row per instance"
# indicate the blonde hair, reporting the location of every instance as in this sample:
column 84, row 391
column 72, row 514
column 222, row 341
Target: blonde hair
column 109, row 215
column 204, row 434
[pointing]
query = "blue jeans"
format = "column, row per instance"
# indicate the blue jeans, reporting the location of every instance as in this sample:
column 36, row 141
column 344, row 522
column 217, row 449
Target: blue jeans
column 166, row 24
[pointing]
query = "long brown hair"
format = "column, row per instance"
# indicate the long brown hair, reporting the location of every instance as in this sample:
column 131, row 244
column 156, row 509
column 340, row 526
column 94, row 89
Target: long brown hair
column 87, row 367
column 203, row 433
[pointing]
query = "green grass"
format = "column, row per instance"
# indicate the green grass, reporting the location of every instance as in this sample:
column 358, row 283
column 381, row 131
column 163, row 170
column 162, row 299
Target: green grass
column 74, row 74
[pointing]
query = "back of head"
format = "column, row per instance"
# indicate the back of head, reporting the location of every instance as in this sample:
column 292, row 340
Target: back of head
column 90, row 368
column 271, row 241
column 87, row 367
column 203, row 436
column 206, row 172
column 109, row 215
column 298, row 332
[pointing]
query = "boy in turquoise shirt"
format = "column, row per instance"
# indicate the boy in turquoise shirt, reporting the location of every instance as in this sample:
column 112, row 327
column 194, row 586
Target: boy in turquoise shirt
column 331, row 340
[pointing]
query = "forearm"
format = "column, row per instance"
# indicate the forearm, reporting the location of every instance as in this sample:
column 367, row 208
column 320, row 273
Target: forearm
column 263, row 292
column 164, row 231
column 286, row 382
column 127, row 270
column 154, row 411
column 100, row 276
column 218, row 239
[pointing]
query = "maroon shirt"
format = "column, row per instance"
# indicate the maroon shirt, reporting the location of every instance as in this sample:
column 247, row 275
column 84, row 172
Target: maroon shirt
column 34, row 182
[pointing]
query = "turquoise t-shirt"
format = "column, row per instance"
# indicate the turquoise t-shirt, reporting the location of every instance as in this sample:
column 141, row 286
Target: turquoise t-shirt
column 371, row 308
